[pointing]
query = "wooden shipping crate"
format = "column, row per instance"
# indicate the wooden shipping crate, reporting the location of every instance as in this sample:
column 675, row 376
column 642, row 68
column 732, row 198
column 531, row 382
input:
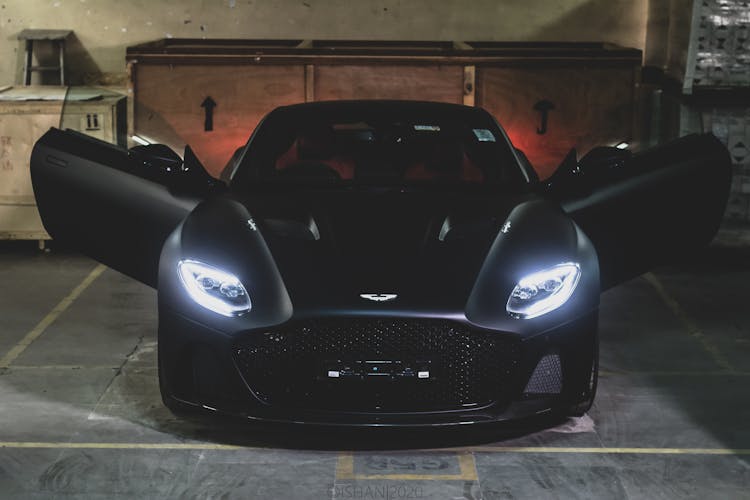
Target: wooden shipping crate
column 26, row 113
column 550, row 97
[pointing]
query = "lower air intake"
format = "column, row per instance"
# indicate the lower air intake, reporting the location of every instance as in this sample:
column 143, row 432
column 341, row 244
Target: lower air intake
column 378, row 365
column 547, row 377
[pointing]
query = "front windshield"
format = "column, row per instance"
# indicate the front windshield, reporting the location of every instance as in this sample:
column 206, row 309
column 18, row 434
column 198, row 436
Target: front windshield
column 380, row 148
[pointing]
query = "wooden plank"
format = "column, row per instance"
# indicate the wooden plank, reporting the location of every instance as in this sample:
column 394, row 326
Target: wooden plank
column 424, row 83
column 32, row 34
column 309, row 82
column 188, row 51
column 168, row 105
column 592, row 106
column 469, row 85
column 29, row 56
column 131, row 68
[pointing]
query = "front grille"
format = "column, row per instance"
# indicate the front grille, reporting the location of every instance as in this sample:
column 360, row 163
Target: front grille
column 290, row 366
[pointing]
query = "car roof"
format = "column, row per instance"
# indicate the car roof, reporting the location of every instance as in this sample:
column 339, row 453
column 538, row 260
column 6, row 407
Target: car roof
column 385, row 106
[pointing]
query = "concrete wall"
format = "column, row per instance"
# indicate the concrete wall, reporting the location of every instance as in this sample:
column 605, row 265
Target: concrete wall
column 103, row 28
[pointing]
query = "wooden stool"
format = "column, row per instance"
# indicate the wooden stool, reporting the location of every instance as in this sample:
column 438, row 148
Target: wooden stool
column 57, row 38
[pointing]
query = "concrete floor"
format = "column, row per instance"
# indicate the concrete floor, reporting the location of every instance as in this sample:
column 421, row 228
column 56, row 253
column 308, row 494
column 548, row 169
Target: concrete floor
column 80, row 414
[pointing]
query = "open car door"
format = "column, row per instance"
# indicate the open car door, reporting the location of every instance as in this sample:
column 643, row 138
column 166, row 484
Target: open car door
column 643, row 209
column 114, row 205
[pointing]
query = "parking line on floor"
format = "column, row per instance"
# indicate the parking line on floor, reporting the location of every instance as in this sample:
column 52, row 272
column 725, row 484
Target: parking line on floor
column 467, row 468
column 346, row 460
column 123, row 446
column 50, row 318
column 66, row 367
column 611, row 451
column 690, row 373
column 688, row 322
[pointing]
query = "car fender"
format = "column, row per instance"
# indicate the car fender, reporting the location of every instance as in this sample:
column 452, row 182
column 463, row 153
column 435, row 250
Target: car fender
column 536, row 235
column 222, row 233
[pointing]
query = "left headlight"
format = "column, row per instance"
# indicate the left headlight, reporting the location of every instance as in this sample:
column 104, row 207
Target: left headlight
column 543, row 291
column 214, row 289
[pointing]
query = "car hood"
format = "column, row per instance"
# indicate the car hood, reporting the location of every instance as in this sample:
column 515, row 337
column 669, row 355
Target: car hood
column 424, row 247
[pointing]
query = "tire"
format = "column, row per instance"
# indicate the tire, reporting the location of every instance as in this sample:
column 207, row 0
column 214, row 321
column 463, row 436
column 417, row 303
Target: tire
column 580, row 409
column 176, row 408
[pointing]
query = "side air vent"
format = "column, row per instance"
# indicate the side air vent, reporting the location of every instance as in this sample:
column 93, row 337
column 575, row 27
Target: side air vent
column 547, row 377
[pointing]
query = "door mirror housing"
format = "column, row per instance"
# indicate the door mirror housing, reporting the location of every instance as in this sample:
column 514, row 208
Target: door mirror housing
column 578, row 178
column 604, row 164
column 567, row 180
column 187, row 176
column 157, row 157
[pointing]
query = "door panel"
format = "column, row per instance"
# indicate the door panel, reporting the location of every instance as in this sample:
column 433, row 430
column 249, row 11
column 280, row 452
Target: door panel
column 654, row 207
column 91, row 199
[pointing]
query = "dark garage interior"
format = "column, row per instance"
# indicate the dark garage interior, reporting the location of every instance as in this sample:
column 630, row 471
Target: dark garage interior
column 625, row 119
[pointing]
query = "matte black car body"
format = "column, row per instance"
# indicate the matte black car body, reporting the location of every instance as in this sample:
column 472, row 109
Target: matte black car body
column 451, row 256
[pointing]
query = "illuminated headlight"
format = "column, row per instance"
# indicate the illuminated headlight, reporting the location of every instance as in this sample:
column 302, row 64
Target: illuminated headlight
column 543, row 291
column 213, row 288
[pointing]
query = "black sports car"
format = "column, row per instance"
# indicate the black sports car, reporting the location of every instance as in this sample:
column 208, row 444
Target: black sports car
column 379, row 262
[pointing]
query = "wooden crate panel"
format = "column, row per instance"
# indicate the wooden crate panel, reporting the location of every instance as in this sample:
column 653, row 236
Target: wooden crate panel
column 426, row 83
column 590, row 84
column 168, row 104
column 592, row 106
column 21, row 124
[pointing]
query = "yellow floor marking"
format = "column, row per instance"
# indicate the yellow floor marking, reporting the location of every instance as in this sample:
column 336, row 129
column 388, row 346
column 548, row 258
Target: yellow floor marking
column 124, row 446
column 677, row 373
column 688, row 322
column 50, row 318
column 468, row 467
column 345, row 471
column 612, row 451
column 64, row 367
column 345, row 466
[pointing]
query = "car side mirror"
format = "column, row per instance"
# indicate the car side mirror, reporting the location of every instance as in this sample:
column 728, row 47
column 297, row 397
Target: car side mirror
column 159, row 163
column 577, row 178
column 195, row 179
column 158, row 160
column 567, row 181
column 604, row 163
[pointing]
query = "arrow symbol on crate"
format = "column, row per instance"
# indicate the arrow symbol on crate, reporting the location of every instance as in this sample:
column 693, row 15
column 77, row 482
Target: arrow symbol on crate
column 544, row 106
column 208, row 104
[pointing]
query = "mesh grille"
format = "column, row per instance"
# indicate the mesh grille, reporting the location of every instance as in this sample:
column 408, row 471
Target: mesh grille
column 288, row 366
column 547, row 376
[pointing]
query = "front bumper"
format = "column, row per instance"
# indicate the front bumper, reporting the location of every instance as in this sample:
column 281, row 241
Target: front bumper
column 477, row 375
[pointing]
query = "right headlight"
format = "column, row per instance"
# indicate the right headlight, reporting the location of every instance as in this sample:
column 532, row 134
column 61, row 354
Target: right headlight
column 543, row 291
column 214, row 289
